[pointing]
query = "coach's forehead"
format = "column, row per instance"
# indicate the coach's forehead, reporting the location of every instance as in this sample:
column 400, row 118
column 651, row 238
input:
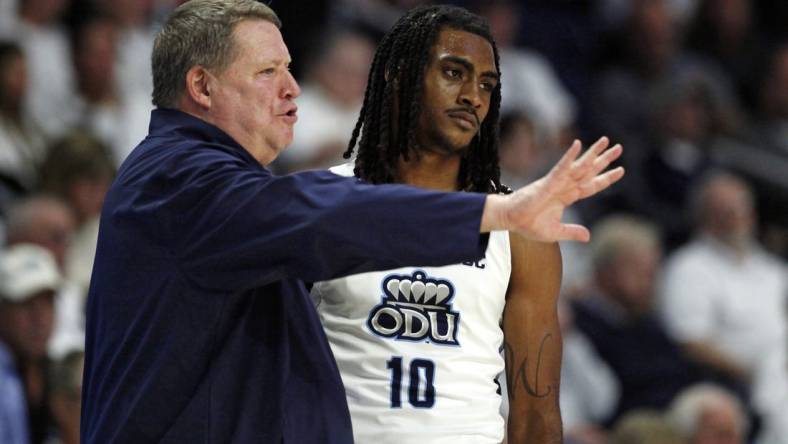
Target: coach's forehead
column 258, row 40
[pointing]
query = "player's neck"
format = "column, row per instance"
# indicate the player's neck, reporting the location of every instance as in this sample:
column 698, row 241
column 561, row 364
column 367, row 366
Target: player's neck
column 430, row 170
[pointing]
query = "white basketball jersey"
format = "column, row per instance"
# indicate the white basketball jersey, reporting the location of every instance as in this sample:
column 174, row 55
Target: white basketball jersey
column 419, row 348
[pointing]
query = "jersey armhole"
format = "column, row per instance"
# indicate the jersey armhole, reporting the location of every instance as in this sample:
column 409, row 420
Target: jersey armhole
column 316, row 295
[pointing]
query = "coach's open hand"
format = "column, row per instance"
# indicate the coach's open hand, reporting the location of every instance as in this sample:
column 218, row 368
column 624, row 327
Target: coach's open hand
column 535, row 210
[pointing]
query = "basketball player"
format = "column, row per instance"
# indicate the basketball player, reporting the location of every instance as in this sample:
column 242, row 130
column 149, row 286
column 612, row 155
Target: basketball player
column 419, row 348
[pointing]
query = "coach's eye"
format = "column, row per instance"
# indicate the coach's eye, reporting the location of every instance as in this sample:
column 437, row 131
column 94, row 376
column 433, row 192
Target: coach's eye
column 268, row 71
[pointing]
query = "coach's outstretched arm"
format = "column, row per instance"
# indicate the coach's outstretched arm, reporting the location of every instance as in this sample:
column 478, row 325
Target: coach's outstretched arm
column 535, row 210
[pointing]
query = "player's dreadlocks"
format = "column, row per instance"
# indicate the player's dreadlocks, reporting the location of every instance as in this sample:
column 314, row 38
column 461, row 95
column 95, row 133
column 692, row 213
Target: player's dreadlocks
column 397, row 77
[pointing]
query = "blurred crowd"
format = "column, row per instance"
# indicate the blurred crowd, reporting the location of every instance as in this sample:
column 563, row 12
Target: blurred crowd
column 674, row 317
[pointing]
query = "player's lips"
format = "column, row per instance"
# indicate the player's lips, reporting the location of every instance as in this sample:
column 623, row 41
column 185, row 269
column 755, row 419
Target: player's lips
column 466, row 119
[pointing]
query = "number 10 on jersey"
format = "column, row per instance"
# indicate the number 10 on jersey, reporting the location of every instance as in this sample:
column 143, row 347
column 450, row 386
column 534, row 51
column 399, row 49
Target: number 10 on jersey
column 421, row 373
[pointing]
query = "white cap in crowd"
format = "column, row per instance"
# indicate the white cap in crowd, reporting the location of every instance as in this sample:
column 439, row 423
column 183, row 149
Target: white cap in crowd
column 25, row 271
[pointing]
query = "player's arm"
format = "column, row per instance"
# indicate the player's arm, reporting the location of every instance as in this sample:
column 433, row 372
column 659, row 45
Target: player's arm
column 532, row 343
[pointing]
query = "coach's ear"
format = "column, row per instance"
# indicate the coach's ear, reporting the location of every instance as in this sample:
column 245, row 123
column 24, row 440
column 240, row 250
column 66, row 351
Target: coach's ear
column 198, row 86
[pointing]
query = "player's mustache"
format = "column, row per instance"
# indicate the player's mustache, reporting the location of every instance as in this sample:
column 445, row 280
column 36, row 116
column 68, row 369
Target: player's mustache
column 470, row 111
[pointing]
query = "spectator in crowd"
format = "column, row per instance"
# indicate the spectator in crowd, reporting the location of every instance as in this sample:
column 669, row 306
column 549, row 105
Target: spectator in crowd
column 645, row 426
column 761, row 155
column 135, row 34
column 524, row 155
column 21, row 143
column 118, row 121
column 708, row 414
column 617, row 315
column 589, row 389
column 651, row 54
column 774, row 425
column 772, row 126
column 78, row 169
column 65, row 382
column 724, row 298
column 724, row 31
column 41, row 220
column 44, row 41
column 531, row 85
column 330, row 100
column 49, row 223
column 772, row 133
column 376, row 15
column 7, row 15
column 13, row 404
column 29, row 279
column 612, row 13
column 687, row 125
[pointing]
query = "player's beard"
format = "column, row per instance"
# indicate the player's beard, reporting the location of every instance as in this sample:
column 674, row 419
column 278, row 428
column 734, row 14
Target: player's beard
column 440, row 143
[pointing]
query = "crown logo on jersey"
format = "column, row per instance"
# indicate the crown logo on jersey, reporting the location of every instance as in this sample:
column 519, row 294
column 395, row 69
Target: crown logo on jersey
column 418, row 289
column 416, row 307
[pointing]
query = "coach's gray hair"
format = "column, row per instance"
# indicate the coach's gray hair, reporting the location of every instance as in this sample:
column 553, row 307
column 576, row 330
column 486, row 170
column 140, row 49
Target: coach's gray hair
column 199, row 32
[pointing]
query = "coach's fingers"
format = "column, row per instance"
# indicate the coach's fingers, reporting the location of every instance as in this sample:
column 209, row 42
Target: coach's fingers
column 601, row 182
column 602, row 162
column 573, row 232
column 585, row 162
column 566, row 161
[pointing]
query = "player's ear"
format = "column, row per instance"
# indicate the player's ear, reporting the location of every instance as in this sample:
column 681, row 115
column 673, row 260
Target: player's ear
column 198, row 86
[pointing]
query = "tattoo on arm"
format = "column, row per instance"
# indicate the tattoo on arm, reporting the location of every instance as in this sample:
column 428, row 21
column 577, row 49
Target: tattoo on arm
column 517, row 373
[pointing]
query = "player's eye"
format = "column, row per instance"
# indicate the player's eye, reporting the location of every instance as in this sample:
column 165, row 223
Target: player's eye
column 487, row 86
column 453, row 73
